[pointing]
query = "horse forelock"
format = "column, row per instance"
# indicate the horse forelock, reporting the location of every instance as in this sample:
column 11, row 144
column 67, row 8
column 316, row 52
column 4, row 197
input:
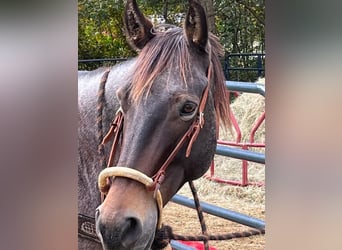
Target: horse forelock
column 168, row 49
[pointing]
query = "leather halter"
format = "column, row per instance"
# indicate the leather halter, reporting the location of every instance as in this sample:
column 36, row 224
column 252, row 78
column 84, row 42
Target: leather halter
column 154, row 183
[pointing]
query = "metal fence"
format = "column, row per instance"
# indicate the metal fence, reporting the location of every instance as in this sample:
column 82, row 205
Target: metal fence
column 90, row 64
column 245, row 67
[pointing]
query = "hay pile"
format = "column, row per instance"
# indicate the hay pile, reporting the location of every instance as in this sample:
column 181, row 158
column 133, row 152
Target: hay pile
column 247, row 108
column 247, row 200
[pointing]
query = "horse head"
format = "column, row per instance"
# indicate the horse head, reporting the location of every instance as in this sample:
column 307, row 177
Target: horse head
column 170, row 108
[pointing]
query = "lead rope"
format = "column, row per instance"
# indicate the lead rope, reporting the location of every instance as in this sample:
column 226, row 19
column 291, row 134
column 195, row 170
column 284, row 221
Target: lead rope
column 165, row 234
column 199, row 214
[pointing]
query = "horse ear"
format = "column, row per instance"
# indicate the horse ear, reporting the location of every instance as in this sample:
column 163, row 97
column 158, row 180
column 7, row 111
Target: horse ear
column 196, row 27
column 138, row 27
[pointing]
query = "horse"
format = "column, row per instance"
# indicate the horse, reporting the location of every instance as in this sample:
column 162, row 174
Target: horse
column 170, row 100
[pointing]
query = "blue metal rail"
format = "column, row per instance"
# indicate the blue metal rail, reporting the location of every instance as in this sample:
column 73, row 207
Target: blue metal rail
column 248, row 87
column 179, row 246
column 240, row 154
column 220, row 212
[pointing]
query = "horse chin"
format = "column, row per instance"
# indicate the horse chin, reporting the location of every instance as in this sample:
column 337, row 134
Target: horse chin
column 139, row 246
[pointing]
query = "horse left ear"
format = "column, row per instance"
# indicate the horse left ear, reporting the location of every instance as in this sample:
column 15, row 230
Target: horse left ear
column 138, row 27
column 196, row 27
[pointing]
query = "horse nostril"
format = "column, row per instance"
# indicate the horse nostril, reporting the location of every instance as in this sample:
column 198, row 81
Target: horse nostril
column 131, row 231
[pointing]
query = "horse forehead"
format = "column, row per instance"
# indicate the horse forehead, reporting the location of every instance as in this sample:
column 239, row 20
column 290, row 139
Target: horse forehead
column 171, row 83
column 167, row 94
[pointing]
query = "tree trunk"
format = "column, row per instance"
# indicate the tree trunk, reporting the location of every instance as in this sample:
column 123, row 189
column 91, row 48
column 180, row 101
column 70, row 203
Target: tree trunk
column 165, row 11
column 208, row 6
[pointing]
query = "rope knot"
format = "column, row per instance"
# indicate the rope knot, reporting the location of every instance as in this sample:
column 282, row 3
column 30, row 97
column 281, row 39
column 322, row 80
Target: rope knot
column 162, row 238
column 157, row 181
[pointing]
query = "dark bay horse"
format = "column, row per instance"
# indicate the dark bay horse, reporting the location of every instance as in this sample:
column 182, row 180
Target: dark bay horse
column 170, row 98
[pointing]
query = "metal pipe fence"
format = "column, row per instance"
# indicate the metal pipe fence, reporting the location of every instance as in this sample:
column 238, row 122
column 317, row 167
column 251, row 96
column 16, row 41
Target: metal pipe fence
column 232, row 63
column 244, row 62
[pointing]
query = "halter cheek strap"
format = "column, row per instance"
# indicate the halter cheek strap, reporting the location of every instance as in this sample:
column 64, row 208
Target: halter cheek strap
column 114, row 130
column 191, row 133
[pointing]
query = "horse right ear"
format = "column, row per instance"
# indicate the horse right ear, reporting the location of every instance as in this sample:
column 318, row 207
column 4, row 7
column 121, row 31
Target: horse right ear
column 138, row 27
column 196, row 27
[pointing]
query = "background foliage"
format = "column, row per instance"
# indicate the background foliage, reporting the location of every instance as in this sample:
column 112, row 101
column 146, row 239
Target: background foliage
column 239, row 24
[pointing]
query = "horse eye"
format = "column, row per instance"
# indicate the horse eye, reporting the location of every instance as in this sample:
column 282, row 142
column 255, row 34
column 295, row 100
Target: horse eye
column 188, row 109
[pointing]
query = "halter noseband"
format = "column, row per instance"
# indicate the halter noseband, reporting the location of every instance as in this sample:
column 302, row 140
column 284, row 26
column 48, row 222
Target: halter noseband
column 131, row 174
column 154, row 183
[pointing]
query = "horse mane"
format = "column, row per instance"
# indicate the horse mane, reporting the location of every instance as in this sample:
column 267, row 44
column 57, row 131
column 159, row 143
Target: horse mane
column 168, row 48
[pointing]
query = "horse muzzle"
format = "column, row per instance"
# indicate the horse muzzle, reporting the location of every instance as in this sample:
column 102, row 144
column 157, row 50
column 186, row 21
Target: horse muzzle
column 125, row 220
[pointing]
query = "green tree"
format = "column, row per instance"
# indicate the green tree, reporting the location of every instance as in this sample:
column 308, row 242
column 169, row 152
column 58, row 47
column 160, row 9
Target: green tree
column 238, row 23
column 100, row 29
column 241, row 28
